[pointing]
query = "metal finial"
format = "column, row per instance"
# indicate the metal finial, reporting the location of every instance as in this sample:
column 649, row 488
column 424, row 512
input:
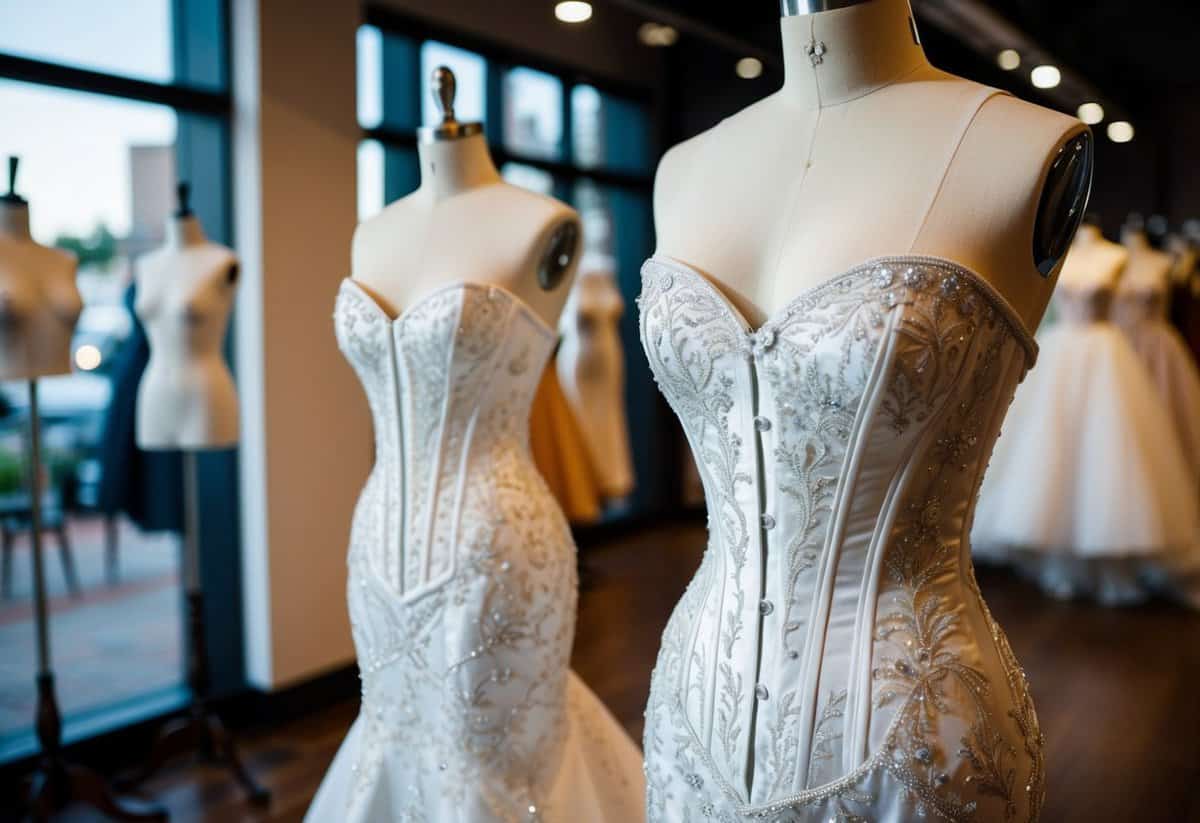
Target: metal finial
column 183, row 191
column 11, row 196
column 444, row 87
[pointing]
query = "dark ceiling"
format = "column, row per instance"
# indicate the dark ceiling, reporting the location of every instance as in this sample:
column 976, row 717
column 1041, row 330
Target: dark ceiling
column 1131, row 50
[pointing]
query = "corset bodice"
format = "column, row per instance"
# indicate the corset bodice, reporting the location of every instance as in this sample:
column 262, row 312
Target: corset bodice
column 1081, row 306
column 834, row 627
column 1135, row 305
column 449, row 383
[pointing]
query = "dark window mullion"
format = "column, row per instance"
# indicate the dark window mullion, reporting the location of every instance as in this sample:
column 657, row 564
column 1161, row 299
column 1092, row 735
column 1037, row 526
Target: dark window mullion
column 184, row 98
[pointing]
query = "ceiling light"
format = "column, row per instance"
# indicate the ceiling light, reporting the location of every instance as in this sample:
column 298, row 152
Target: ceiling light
column 749, row 68
column 1009, row 59
column 1046, row 77
column 573, row 11
column 88, row 357
column 1120, row 131
column 656, row 34
column 1091, row 113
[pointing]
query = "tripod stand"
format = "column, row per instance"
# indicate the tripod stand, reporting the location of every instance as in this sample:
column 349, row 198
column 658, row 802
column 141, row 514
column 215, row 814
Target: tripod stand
column 57, row 783
column 201, row 731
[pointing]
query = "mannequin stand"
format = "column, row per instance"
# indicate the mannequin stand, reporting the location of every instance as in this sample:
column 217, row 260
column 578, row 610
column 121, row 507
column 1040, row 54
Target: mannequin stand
column 201, row 731
column 57, row 784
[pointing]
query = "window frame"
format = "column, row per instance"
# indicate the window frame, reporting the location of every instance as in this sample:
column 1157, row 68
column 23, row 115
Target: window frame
column 201, row 38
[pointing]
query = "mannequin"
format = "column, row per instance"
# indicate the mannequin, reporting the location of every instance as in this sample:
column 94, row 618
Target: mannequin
column 822, row 176
column 39, row 301
column 591, row 368
column 416, row 245
column 185, row 292
column 462, row 568
column 1149, row 269
column 1094, row 262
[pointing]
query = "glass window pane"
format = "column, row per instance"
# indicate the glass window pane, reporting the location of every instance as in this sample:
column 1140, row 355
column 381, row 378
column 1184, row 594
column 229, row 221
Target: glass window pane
column 370, row 179
column 133, row 38
column 533, row 113
column 370, row 77
column 117, row 639
column 470, row 70
column 529, row 177
column 609, row 133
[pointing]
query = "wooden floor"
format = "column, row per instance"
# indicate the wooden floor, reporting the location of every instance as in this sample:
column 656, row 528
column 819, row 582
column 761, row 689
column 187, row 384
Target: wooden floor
column 1118, row 693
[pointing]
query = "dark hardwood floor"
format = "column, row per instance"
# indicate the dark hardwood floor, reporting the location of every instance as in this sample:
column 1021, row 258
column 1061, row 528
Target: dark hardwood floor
column 1118, row 693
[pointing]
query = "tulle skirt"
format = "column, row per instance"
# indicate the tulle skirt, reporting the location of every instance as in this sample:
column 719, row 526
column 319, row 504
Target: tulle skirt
column 1170, row 364
column 1088, row 491
column 598, row 780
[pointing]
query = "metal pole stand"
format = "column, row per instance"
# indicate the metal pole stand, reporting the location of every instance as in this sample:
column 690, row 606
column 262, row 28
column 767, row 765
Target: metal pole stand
column 56, row 783
column 201, row 731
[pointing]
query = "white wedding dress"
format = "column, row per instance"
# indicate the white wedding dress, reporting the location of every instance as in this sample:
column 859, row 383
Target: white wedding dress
column 1142, row 314
column 833, row 658
column 1089, row 493
column 462, row 586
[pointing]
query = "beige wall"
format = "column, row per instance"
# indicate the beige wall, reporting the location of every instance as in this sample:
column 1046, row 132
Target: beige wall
column 307, row 445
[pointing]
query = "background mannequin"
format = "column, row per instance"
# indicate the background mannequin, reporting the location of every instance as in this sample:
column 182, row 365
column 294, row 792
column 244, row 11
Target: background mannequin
column 416, row 244
column 591, row 369
column 1094, row 262
column 39, row 301
column 868, row 151
column 185, row 292
column 1149, row 269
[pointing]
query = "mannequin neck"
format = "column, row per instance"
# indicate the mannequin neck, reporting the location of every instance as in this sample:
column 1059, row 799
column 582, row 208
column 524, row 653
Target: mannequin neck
column 453, row 167
column 14, row 222
column 1135, row 240
column 859, row 49
column 1088, row 235
column 183, row 232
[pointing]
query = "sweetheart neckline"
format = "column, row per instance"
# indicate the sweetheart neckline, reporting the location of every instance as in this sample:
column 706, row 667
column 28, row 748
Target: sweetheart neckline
column 785, row 311
column 465, row 285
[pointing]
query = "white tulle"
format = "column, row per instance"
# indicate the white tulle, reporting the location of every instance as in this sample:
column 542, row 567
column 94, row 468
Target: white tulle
column 1088, row 491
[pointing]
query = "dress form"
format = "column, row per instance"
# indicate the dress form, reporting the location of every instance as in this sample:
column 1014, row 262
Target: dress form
column 185, row 293
column 1149, row 269
column 39, row 301
column 465, row 223
column 1094, row 262
column 591, row 369
column 823, row 175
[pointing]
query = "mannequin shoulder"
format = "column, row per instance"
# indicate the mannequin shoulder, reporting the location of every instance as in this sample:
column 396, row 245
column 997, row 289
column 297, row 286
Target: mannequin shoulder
column 552, row 230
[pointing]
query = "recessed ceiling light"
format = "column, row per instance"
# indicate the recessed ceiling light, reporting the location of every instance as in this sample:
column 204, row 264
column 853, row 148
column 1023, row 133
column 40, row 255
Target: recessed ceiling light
column 573, row 11
column 1091, row 113
column 1120, row 131
column 656, row 34
column 749, row 68
column 88, row 357
column 1046, row 77
column 1009, row 59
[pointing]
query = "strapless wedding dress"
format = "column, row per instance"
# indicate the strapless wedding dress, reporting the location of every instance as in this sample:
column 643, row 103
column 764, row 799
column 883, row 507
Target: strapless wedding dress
column 462, row 586
column 1142, row 315
column 833, row 658
column 1089, row 493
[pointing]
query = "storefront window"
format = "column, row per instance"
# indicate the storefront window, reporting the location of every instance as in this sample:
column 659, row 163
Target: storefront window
column 112, row 514
column 533, row 115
